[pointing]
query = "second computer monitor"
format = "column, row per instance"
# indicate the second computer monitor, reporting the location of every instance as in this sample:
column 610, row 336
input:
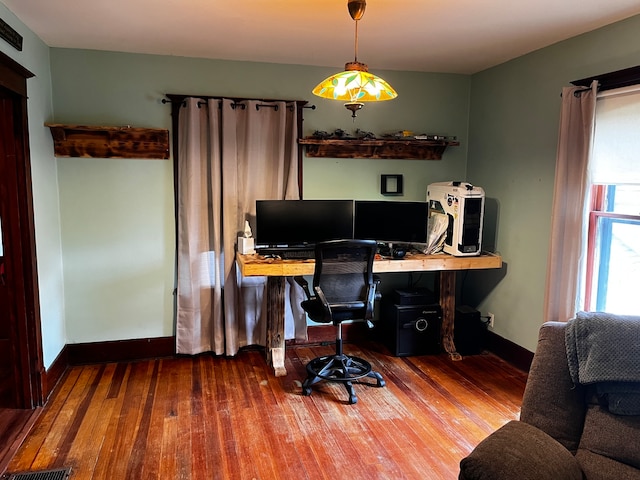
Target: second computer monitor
column 389, row 221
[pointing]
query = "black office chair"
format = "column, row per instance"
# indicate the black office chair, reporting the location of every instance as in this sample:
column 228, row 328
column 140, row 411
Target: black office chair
column 345, row 289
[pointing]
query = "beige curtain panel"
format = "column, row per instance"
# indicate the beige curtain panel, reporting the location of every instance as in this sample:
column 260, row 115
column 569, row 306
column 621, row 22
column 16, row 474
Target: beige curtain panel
column 229, row 155
column 565, row 278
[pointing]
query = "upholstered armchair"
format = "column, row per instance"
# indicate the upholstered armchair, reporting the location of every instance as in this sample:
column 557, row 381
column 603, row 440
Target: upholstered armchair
column 568, row 428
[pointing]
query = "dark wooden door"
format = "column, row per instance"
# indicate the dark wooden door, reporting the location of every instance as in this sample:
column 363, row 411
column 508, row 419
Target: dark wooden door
column 21, row 366
column 11, row 255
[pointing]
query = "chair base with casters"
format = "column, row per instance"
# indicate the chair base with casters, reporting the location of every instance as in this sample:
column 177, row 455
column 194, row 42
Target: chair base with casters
column 344, row 289
column 340, row 368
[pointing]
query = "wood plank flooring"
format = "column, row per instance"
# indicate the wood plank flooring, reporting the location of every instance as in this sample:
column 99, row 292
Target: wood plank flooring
column 208, row 417
column 14, row 427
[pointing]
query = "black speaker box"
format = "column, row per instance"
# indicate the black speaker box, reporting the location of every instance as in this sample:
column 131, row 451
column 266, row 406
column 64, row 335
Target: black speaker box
column 469, row 331
column 411, row 329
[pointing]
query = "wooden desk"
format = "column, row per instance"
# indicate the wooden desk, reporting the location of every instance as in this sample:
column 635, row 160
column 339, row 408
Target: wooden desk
column 276, row 270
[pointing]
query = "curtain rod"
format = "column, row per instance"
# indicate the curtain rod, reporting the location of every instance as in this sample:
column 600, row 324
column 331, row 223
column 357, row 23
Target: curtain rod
column 612, row 80
column 611, row 92
column 172, row 97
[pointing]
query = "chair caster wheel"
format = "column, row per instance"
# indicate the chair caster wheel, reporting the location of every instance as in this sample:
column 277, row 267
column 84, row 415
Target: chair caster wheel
column 379, row 380
column 306, row 391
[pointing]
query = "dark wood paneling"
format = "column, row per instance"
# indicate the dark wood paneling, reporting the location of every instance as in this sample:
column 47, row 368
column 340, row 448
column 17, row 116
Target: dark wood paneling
column 13, row 75
column 516, row 355
column 120, row 350
column 55, row 372
column 7, row 380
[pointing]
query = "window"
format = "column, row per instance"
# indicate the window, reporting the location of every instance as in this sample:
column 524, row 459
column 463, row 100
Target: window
column 613, row 255
column 613, row 264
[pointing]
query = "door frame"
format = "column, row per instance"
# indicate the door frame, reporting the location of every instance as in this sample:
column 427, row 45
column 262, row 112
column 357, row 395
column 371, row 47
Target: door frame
column 26, row 335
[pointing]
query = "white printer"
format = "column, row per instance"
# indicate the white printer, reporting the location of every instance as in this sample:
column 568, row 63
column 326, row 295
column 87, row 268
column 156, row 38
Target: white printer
column 463, row 204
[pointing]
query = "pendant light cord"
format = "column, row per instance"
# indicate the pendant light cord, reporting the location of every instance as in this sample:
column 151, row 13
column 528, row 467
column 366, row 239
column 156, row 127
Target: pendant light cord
column 356, row 43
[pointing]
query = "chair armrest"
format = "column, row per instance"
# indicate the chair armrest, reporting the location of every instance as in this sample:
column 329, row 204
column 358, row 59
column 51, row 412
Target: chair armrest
column 519, row 451
column 551, row 401
column 304, row 284
column 320, row 296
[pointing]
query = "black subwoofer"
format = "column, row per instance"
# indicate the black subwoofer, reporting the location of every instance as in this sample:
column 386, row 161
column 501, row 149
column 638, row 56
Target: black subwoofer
column 470, row 332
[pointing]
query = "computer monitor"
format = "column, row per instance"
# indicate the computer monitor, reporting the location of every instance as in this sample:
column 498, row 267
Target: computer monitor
column 389, row 221
column 302, row 222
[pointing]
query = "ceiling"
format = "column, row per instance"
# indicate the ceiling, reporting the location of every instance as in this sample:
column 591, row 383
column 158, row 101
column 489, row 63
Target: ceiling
column 453, row 36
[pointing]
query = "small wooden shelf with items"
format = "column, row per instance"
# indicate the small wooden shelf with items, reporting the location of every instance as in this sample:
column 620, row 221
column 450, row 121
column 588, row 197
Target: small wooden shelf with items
column 382, row 148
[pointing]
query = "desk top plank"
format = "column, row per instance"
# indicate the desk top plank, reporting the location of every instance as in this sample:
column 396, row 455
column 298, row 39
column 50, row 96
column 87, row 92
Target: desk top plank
column 256, row 265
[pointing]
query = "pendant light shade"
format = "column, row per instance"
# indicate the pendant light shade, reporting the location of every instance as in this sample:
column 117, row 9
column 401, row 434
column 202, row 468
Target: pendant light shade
column 355, row 84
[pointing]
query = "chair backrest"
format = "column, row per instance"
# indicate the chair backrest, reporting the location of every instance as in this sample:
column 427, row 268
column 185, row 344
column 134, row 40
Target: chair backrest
column 344, row 271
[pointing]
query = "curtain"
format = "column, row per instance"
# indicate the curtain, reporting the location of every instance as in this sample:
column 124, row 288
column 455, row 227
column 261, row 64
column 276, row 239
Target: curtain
column 564, row 285
column 229, row 155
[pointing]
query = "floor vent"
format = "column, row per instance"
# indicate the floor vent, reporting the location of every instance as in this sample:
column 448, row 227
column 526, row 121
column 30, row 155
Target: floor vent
column 57, row 474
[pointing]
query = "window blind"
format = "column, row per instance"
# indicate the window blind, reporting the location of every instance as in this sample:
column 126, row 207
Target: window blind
column 616, row 145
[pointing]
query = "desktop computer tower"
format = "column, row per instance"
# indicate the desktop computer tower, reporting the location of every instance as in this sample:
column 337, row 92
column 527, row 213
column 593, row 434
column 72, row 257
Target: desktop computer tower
column 411, row 329
column 463, row 204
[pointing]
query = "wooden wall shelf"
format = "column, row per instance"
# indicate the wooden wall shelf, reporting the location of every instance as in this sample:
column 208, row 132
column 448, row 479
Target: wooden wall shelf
column 378, row 148
column 109, row 142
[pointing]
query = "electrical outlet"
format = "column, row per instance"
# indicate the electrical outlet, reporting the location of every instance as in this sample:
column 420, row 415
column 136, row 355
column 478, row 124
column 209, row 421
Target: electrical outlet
column 491, row 319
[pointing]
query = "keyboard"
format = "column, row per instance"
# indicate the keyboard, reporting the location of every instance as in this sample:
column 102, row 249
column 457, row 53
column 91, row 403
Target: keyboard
column 297, row 254
column 289, row 253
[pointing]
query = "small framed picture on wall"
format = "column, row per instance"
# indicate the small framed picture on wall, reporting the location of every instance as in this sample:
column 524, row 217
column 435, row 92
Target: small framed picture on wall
column 391, row 184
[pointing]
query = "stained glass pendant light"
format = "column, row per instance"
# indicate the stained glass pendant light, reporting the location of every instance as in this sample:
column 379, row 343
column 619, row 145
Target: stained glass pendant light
column 355, row 85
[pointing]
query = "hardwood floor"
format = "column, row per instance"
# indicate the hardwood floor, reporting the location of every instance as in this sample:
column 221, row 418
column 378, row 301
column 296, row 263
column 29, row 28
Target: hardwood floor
column 14, row 427
column 208, row 418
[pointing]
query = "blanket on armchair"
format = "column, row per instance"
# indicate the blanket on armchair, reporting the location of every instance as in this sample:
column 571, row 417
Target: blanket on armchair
column 604, row 349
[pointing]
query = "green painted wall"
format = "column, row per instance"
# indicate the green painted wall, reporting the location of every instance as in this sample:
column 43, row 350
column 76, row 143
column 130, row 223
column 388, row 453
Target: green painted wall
column 515, row 110
column 118, row 215
column 114, row 226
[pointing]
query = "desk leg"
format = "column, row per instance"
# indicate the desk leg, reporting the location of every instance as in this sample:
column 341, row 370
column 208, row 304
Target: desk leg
column 448, row 304
column 275, row 325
